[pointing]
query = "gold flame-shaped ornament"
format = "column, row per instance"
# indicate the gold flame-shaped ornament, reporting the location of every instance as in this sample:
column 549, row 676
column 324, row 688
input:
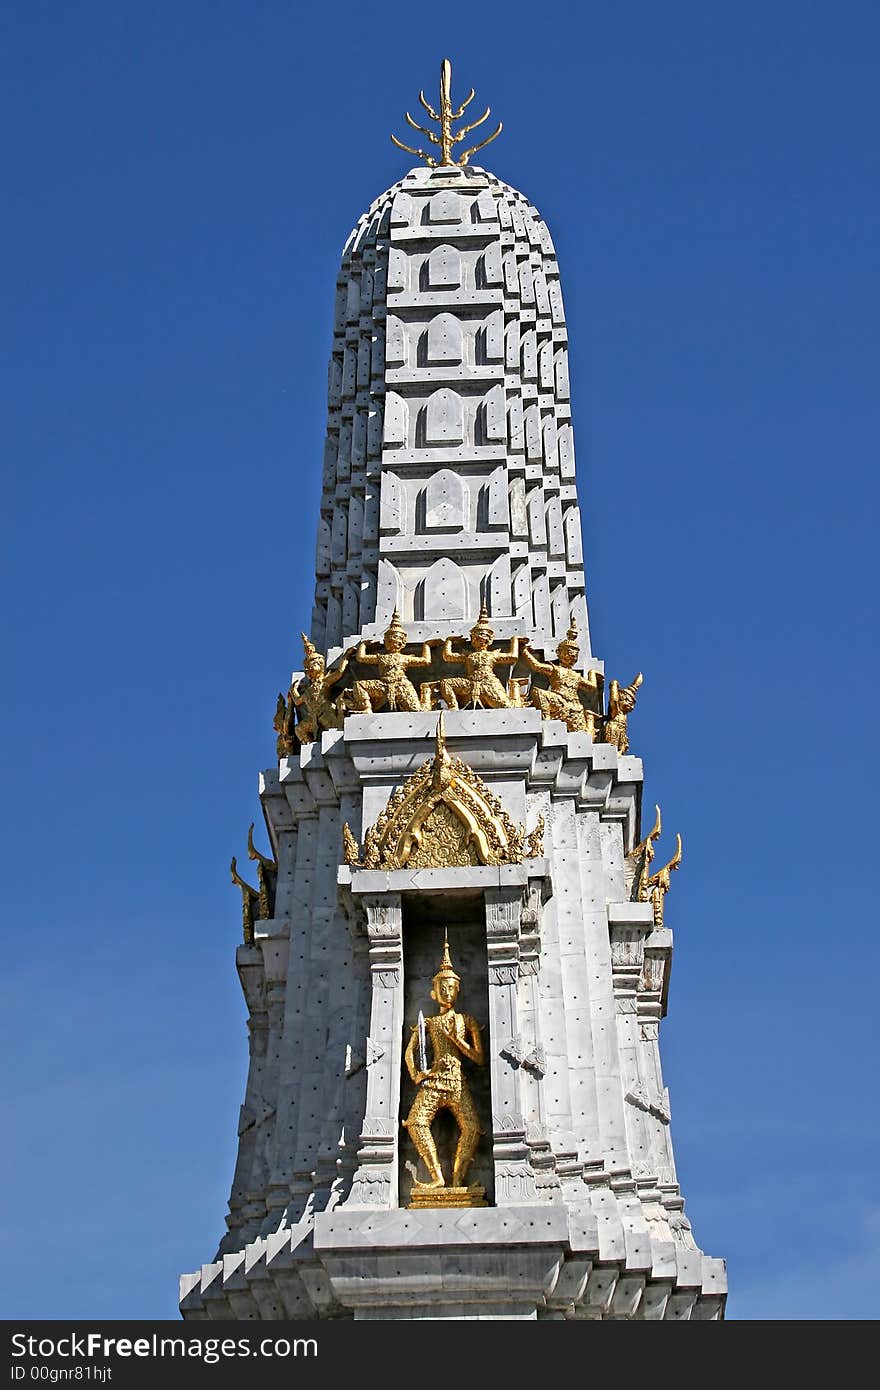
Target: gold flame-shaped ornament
column 445, row 118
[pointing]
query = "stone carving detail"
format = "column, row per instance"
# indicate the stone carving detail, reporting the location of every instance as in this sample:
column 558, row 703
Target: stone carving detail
column 536, row 1061
column 638, row 1096
column 443, row 816
column 384, row 978
column 513, row 1050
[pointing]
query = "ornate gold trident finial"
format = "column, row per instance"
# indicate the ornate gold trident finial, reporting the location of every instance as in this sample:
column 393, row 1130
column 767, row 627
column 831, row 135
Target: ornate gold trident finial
column 444, row 118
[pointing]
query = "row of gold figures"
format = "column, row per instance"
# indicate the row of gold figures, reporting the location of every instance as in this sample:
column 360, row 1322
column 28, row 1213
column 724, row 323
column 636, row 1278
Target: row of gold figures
column 311, row 705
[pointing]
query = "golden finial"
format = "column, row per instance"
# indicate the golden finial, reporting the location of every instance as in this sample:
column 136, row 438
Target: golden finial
column 446, row 962
column 444, row 119
column 570, row 640
column 395, row 625
column 482, row 624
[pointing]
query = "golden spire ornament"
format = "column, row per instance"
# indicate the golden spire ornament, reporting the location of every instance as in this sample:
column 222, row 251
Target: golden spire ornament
column 444, row 118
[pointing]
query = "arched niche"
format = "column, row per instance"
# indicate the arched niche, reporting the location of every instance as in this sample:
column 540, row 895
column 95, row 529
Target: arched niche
column 445, row 591
column 444, row 418
column 444, row 341
column 444, row 502
column 443, row 269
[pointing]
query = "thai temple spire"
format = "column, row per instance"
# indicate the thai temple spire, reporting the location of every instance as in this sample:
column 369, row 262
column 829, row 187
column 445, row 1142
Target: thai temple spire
column 454, row 782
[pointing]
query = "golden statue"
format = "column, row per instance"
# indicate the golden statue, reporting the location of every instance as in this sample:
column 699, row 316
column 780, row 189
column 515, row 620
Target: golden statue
column 637, row 864
column 444, row 118
column 479, row 686
column 657, row 885
column 267, row 877
column 621, row 703
column 393, row 687
column 563, row 699
column 351, row 850
column 321, row 712
column 283, row 723
column 250, row 898
column 453, row 1037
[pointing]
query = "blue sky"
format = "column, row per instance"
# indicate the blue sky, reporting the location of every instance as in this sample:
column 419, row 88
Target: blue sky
column 179, row 181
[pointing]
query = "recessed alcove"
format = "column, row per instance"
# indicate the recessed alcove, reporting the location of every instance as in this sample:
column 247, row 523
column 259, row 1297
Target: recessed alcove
column 426, row 916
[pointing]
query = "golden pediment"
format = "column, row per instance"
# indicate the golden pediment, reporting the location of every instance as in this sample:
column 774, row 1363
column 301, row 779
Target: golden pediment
column 443, row 816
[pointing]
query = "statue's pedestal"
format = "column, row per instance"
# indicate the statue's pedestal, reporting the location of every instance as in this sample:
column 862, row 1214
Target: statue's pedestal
column 423, row 1196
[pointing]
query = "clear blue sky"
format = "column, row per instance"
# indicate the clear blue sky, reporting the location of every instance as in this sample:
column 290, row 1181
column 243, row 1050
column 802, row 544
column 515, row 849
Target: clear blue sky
column 178, row 181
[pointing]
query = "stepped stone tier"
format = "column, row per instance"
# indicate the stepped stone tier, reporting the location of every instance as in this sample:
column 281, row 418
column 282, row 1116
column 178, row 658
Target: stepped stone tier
column 456, row 955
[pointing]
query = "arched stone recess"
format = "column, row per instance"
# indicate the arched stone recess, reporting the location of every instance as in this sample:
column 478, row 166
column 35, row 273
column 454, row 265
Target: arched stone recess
column 322, row 550
column 333, row 630
column 561, row 610
column 401, row 210
column 489, row 267
column 491, row 338
column 555, row 532
column 444, row 502
column 497, row 588
column 496, row 500
column 522, row 593
column 395, row 342
column 396, row 420
column 398, row 269
column 443, row 207
column 391, row 514
column 355, row 524
column 368, row 599
column 442, row 270
column 551, row 452
column 519, row 522
column 574, row 549
column 565, row 444
column 389, row 592
column 541, row 601
column 562, row 386
column 495, row 415
column 537, row 520
column 334, row 383
column 350, row 606
column 339, row 537
column 534, row 442
column 444, row 342
column 444, row 418
column 445, row 591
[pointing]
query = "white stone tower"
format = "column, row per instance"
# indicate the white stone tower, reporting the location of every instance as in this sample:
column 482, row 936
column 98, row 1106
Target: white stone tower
column 454, row 784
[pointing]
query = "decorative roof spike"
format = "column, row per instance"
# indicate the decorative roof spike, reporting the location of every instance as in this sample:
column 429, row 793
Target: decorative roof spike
column 482, row 624
column 444, row 118
column 395, row 624
column 446, row 962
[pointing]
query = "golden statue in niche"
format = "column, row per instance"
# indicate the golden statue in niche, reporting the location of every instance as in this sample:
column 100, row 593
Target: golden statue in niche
column 393, row 687
column 479, row 686
column 453, row 1038
column 563, row 699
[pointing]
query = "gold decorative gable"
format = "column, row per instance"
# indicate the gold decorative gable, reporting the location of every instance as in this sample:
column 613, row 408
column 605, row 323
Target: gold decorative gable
column 443, row 816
